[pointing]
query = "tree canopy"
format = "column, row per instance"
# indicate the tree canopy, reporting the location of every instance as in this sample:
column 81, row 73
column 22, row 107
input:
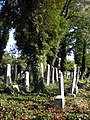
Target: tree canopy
column 42, row 30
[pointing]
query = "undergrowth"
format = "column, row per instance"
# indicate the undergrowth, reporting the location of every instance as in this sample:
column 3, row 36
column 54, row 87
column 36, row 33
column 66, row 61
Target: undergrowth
column 40, row 106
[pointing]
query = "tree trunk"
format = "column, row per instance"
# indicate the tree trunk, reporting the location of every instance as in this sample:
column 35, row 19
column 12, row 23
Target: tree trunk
column 63, row 58
column 83, row 60
column 37, row 76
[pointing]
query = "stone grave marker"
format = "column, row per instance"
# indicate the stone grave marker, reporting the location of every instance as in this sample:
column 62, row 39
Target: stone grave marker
column 48, row 74
column 8, row 74
column 27, row 80
column 42, row 71
column 59, row 99
column 52, row 74
column 78, row 73
column 74, row 89
column 56, row 74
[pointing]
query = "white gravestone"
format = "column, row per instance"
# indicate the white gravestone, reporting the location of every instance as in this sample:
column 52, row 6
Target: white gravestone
column 27, row 80
column 59, row 99
column 8, row 74
column 42, row 71
column 52, row 74
column 78, row 73
column 48, row 74
column 74, row 84
column 56, row 71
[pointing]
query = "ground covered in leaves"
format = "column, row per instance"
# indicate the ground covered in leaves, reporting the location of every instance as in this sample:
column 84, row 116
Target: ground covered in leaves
column 40, row 106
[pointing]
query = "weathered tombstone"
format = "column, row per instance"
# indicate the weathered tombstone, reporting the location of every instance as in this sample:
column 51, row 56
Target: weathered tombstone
column 8, row 74
column 48, row 74
column 27, row 80
column 74, row 89
column 42, row 71
column 59, row 99
column 52, row 74
column 56, row 73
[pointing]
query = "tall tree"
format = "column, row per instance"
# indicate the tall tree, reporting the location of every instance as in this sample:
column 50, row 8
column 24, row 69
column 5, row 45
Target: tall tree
column 74, row 12
column 68, row 11
column 81, row 37
column 4, row 32
column 37, row 30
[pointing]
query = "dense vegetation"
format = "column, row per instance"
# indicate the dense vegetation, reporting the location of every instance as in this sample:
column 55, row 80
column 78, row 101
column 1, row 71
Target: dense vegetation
column 45, row 30
column 38, row 106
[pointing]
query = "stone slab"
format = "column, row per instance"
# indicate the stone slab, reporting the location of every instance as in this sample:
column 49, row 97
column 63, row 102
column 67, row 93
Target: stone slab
column 59, row 101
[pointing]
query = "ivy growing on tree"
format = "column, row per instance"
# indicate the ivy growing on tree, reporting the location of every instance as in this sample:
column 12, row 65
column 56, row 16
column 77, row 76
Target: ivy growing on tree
column 42, row 31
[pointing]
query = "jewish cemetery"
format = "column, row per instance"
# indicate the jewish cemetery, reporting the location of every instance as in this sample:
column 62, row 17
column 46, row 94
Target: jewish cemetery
column 45, row 60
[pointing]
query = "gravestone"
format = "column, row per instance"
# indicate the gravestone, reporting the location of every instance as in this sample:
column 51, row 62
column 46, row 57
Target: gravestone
column 48, row 74
column 52, row 74
column 27, row 80
column 8, row 74
column 74, row 89
column 78, row 73
column 42, row 71
column 59, row 99
column 56, row 74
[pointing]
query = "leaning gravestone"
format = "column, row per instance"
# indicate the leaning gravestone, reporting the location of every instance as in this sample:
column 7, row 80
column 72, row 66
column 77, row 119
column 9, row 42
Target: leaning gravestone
column 59, row 99
column 8, row 74
column 27, row 80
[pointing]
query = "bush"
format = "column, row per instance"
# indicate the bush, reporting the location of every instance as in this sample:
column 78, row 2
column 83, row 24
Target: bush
column 8, row 89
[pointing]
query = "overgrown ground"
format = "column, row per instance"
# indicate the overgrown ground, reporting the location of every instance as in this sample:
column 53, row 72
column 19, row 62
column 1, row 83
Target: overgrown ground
column 40, row 106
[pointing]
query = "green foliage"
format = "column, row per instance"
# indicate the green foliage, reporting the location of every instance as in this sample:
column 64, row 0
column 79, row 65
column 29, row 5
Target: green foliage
column 7, row 89
column 7, row 59
column 80, row 35
column 71, row 117
column 39, row 28
column 39, row 106
column 75, row 116
column 69, row 65
column 4, row 31
column 88, row 59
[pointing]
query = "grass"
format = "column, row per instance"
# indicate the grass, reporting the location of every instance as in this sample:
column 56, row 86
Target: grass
column 40, row 106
